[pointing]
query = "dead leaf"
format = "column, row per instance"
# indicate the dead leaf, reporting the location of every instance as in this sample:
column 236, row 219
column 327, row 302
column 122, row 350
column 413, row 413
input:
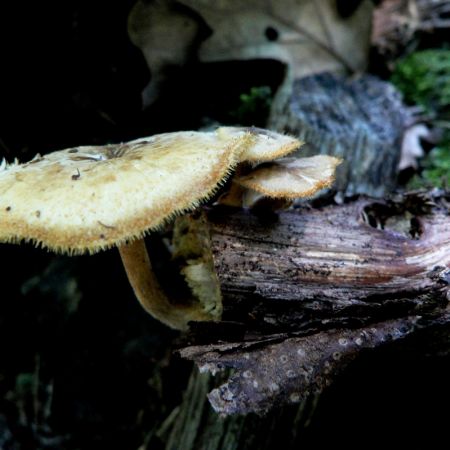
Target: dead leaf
column 166, row 35
column 411, row 146
column 395, row 22
column 307, row 35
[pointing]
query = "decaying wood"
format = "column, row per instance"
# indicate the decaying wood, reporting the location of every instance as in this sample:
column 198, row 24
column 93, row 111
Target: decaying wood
column 360, row 120
column 286, row 369
column 313, row 288
column 353, row 262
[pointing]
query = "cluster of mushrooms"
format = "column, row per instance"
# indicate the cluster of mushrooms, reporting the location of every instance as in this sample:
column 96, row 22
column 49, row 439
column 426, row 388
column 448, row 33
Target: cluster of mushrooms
column 87, row 199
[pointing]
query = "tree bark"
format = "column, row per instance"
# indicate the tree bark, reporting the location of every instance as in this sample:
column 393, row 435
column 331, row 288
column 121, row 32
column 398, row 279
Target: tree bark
column 354, row 263
column 360, row 120
column 314, row 288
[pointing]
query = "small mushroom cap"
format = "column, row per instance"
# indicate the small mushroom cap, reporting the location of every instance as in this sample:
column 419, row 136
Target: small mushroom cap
column 292, row 178
column 267, row 146
column 89, row 198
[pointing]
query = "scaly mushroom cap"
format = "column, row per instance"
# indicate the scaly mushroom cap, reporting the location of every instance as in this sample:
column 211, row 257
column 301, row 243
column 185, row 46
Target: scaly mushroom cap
column 90, row 198
column 301, row 177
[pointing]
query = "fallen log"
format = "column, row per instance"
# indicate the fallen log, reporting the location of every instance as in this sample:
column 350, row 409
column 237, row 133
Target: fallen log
column 306, row 292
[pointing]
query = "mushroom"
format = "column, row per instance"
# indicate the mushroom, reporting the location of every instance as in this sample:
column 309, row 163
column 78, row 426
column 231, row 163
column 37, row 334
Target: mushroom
column 91, row 198
column 261, row 174
column 292, row 177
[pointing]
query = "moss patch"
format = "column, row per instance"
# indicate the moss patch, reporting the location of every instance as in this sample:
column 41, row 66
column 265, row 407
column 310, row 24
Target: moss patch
column 424, row 78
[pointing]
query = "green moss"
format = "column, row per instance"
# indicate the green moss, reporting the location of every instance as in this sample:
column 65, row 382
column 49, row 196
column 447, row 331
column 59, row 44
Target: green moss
column 436, row 167
column 424, row 78
column 254, row 106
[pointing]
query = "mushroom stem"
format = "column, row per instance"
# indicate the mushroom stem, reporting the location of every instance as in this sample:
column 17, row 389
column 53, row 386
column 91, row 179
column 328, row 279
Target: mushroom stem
column 148, row 291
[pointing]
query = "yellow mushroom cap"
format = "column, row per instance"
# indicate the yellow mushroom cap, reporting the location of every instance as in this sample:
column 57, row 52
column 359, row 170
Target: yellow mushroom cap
column 89, row 198
column 267, row 145
column 292, row 178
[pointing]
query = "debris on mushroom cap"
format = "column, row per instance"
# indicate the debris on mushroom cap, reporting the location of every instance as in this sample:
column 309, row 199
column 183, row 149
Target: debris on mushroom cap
column 89, row 198
column 268, row 145
column 291, row 178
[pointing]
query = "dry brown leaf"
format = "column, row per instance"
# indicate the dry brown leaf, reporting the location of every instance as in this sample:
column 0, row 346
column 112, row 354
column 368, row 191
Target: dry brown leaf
column 166, row 36
column 307, row 35
column 396, row 21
